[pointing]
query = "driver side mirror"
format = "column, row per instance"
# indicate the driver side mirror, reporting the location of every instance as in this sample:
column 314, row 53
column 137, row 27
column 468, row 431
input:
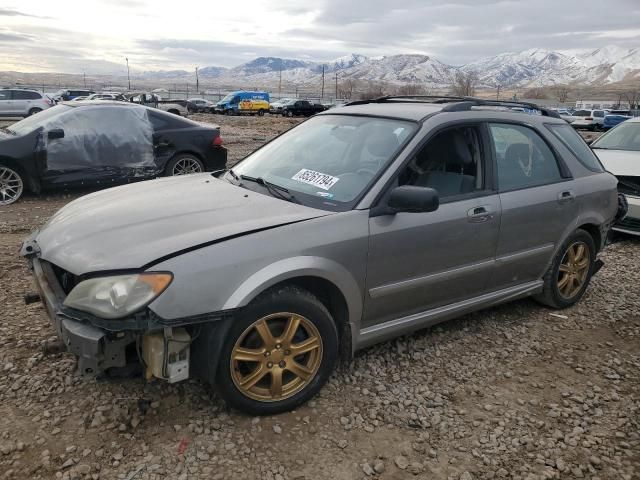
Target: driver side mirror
column 409, row 198
column 55, row 133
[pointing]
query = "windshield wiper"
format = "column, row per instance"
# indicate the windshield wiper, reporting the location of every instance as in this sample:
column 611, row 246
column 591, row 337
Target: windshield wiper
column 275, row 190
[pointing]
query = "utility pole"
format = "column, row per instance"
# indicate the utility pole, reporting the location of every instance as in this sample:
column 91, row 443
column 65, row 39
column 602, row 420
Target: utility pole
column 336, row 86
column 84, row 78
column 197, row 81
column 322, row 95
column 280, row 84
column 128, row 73
column 498, row 93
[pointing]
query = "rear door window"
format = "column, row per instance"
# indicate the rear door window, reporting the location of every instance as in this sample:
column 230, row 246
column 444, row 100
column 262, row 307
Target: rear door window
column 524, row 159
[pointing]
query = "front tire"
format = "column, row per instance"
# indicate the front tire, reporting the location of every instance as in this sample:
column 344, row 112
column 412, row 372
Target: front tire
column 289, row 113
column 183, row 164
column 570, row 272
column 11, row 185
column 278, row 353
column 33, row 111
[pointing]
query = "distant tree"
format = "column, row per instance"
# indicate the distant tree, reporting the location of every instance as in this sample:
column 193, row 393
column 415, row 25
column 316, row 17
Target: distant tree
column 345, row 89
column 536, row 93
column 633, row 97
column 373, row 90
column 464, row 84
column 412, row 89
column 561, row 93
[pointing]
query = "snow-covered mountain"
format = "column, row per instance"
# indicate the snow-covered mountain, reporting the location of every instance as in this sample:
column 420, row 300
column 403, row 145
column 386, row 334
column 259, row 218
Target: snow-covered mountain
column 537, row 67
column 533, row 67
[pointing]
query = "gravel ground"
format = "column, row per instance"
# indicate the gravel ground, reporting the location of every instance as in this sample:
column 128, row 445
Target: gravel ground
column 518, row 391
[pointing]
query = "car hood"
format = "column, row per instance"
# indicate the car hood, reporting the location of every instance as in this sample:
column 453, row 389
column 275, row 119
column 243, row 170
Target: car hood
column 134, row 225
column 620, row 162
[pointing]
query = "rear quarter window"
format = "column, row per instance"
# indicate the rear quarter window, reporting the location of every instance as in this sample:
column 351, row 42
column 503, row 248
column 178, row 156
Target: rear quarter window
column 25, row 95
column 574, row 142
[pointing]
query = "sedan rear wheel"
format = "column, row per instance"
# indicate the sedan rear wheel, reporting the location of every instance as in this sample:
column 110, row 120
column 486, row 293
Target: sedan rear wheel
column 184, row 165
column 11, row 185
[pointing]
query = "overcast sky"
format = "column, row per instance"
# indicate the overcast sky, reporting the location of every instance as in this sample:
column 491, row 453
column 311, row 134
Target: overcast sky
column 96, row 35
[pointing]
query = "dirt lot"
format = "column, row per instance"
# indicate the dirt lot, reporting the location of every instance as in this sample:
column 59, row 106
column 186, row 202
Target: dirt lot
column 515, row 392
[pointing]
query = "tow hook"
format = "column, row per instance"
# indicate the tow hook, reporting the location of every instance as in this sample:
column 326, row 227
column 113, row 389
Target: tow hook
column 31, row 297
column 597, row 266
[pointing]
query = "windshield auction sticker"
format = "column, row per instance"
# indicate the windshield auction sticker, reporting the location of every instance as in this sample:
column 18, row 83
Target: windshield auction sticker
column 317, row 179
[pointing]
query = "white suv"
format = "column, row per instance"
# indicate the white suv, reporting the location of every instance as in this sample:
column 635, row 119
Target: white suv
column 20, row 102
column 589, row 119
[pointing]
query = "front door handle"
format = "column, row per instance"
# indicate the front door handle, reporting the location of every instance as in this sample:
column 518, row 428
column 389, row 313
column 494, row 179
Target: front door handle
column 479, row 214
column 566, row 196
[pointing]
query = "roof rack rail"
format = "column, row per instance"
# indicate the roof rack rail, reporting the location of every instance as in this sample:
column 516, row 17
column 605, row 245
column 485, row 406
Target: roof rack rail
column 412, row 98
column 457, row 103
column 470, row 102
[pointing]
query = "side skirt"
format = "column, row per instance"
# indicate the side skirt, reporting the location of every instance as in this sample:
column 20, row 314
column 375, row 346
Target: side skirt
column 400, row 326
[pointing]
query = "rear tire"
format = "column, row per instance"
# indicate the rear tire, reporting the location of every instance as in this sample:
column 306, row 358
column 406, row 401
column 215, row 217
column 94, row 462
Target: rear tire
column 261, row 113
column 183, row 164
column 570, row 272
column 289, row 113
column 11, row 185
column 35, row 110
column 265, row 377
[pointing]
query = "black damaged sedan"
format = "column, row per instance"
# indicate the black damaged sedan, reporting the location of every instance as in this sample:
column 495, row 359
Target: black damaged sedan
column 107, row 143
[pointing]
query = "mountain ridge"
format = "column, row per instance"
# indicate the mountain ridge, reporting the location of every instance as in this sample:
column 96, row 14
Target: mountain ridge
column 528, row 68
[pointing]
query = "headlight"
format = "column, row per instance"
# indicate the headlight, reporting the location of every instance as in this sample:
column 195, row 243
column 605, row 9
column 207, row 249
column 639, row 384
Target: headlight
column 117, row 296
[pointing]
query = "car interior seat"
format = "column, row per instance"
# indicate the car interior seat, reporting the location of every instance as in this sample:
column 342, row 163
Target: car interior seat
column 446, row 158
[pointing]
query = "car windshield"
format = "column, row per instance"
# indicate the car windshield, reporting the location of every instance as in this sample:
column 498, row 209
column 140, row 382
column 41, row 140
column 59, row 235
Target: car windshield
column 228, row 98
column 625, row 136
column 29, row 124
column 582, row 113
column 328, row 161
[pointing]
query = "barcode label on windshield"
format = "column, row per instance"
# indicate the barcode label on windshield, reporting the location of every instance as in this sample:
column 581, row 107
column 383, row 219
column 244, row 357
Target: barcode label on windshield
column 317, row 179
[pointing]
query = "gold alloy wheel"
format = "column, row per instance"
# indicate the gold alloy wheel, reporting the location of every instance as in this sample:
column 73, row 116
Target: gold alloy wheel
column 574, row 269
column 276, row 357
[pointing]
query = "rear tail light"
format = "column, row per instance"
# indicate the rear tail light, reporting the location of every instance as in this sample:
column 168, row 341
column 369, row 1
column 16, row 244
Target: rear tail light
column 217, row 141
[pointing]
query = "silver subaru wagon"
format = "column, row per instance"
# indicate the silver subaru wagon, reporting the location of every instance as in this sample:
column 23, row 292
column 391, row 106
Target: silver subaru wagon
column 361, row 224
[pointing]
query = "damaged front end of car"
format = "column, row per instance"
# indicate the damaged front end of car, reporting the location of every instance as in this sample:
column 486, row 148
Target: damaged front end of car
column 104, row 321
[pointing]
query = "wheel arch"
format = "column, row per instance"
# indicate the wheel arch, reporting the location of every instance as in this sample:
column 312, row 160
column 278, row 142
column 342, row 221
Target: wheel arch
column 593, row 230
column 334, row 286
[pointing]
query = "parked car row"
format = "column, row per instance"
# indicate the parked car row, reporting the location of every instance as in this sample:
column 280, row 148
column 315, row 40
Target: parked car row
column 333, row 236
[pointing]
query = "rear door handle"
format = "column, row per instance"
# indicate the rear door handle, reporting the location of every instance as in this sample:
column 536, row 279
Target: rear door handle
column 479, row 214
column 566, row 196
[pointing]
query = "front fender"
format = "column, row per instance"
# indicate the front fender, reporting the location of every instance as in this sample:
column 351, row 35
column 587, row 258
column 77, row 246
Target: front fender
column 301, row 266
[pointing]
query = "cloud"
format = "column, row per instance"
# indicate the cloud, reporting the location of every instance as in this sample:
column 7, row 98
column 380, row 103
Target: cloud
column 194, row 33
column 7, row 12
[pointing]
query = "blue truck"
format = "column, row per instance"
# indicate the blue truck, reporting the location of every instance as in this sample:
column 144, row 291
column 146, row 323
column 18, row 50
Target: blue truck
column 244, row 102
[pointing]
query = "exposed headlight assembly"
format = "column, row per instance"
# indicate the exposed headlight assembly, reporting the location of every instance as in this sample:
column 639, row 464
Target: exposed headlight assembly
column 117, row 296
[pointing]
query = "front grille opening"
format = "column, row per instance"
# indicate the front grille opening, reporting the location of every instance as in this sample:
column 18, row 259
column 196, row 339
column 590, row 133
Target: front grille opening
column 67, row 280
